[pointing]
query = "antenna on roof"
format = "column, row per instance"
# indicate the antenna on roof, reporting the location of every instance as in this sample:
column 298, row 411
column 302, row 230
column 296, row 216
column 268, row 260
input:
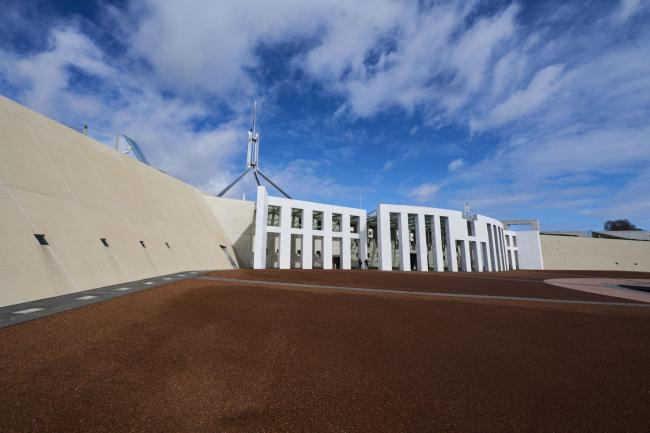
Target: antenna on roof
column 252, row 158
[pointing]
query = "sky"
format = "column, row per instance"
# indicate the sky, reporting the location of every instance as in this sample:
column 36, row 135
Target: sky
column 523, row 109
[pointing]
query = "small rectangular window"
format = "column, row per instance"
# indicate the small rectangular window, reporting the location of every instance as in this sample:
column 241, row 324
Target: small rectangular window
column 296, row 218
column 354, row 224
column 317, row 220
column 41, row 239
column 143, row 245
column 104, row 242
column 336, row 222
column 273, row 216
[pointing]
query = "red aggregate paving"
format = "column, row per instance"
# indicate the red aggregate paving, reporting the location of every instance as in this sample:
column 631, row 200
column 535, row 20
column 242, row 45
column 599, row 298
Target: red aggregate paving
column 210, row 356
column 515, row 283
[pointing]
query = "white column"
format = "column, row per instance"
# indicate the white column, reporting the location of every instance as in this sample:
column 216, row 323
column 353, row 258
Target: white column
column 346, row 253
column 479, row 254
column 451, row 247
column 421, row 243
column 404, row 242
column 307, row 238
column 467, row 259
column 363, row 237
column 346, row 246
column 259, row 251
column 327, row 239
column 497, row 255
column 383, row 239
column 285, row 237
column 436, row 243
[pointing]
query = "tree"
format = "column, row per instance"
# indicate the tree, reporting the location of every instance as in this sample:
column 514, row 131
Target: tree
column 619, row 225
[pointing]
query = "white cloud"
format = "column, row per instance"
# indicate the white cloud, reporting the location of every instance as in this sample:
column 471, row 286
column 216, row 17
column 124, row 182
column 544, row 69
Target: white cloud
column 627, row 9
column 523, row 102
column 424, row 192
column 46, row 75
column 455, row 164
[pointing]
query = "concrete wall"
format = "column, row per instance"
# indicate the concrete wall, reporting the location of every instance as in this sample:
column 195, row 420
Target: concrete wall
column 567, row 252
column 530, row 250
column 237, row 217
column 75, row 190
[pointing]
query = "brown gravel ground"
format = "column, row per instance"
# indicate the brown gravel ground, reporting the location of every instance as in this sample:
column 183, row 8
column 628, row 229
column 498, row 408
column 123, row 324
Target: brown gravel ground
column 206, row 356
column 513, row 283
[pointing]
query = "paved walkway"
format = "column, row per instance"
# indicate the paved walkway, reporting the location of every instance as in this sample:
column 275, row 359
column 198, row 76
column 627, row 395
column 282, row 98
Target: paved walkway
column 425, row 294
column 606, row 286
column 18, row 313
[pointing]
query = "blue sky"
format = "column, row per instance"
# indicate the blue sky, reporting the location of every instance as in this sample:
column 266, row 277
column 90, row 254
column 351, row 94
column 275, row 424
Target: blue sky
column 524, row 109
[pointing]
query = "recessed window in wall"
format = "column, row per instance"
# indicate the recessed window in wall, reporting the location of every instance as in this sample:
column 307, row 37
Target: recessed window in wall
column 354, row 224
column 104, row 242
column 143, row 245
column 273, row 216
column 318, row 220
column 514, row 240
column 336, row 222
column 296, row 218
column 41, row 239
column 470, row 228
column 167, row 244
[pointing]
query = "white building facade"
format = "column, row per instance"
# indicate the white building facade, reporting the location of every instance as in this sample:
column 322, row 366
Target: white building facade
column 307, row 235
column 299, row 234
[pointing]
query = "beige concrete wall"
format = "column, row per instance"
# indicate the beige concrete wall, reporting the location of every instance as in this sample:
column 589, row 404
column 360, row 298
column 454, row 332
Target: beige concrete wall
column 56, row 181
column 237, row 218
column 567, row 252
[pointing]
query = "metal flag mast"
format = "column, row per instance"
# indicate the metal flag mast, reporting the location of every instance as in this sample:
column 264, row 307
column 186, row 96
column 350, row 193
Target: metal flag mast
column 252, row 158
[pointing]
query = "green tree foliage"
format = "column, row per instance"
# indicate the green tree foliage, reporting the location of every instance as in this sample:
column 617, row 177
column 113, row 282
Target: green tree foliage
column 619, row 225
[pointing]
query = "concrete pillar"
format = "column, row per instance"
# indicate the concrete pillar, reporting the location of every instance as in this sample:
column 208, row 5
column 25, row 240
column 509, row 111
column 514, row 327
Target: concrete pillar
column 363, row 237
column 496, row 247
column 383, row 239
column 467, row 259
column 479, row 255
column 421, row 243
column 307, row 238
column 451, row 247
column 346, row 253
column 327, row 239
column 259, row 252
column 346, row 246
column 503, row 248
column 404, row 242
column 436, row 243
column 285, row 237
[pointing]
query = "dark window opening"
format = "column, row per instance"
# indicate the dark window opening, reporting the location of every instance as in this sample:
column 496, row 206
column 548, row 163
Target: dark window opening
column 104, row 242
column 167, row 244
column 143, row 245
column 41, row 239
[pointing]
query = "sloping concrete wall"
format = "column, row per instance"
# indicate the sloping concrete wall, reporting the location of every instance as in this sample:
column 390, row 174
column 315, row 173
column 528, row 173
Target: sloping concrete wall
column 237, row 218
column 60, row 183
column 568, row 252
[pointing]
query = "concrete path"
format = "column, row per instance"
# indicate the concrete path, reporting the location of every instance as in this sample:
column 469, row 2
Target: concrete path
column 421, row 293
column 606, row 286
column 18, row 313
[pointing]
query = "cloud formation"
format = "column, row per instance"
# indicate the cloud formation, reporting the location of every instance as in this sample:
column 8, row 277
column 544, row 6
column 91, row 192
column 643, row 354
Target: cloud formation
column 549, row 102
